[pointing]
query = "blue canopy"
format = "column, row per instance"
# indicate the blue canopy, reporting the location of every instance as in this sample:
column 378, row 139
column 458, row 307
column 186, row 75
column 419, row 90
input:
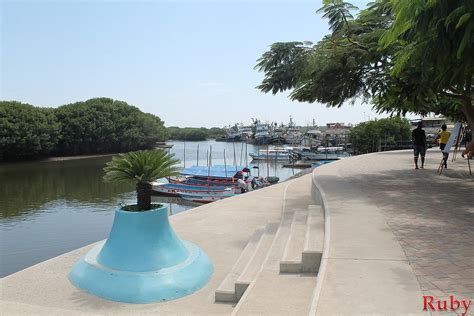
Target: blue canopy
column 218, row 171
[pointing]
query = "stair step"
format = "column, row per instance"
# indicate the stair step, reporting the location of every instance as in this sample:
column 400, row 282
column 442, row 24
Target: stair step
column 226, row 290
column 292, row 257
column 255, row 264
column 314, row 239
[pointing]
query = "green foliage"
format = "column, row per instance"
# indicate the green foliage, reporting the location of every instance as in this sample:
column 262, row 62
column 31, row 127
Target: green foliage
column 141, row 166
column 104, row 125
column 367, row 136
column 344, row 65
column 96, row 126
column 400, row 55
column 26, row 132
column 194, row 133
column 338, row 13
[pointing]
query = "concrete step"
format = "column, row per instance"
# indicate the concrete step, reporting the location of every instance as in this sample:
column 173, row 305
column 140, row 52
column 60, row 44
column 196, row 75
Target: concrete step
column 247, row 266
column 292, row 257
column 314, row 240
column 255, row 264
column 272, row 292
column 304, row 248
column 226, row 290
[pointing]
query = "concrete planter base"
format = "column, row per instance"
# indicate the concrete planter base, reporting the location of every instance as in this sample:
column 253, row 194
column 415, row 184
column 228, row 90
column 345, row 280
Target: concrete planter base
column 142, row 261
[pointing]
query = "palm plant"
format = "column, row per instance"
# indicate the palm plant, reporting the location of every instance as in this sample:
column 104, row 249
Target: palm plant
column 141, row 167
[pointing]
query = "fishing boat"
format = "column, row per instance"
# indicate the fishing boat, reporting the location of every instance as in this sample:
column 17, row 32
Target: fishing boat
column 202, row 182
column 322, row 153
column 163, row 145
column 293, row 134
column 179, row 189
column 261, row 134
column 272, row 154
column 204, row 197
column 206, row 184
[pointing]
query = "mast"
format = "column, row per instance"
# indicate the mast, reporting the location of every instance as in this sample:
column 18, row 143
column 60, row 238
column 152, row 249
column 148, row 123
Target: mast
column 197, row 156
column 268, row 164
column 225, row 170
column 209, row 169
column 246, row 156
column 235, row 158
column 241, row 152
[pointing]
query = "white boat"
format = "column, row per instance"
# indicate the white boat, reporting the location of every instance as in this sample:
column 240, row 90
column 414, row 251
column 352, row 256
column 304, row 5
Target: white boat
column 322, row 153
column 272, row 154
column 178, row 189
column 204, row 197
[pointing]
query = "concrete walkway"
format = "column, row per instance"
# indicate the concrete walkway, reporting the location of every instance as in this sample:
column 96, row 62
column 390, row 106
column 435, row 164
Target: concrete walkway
column 395, row 234
column 391, row 235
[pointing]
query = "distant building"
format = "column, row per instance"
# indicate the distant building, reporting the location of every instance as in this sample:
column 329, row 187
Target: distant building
column 337, row 133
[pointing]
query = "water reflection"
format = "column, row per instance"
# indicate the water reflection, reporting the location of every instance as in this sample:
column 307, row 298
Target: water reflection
column 25, row 187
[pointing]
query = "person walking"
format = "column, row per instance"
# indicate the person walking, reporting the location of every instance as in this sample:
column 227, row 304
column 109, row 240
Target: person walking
column 418, row 137
column 442, row 139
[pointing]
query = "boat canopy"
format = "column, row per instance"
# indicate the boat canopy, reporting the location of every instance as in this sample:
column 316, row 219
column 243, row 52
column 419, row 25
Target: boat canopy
column 217, row 171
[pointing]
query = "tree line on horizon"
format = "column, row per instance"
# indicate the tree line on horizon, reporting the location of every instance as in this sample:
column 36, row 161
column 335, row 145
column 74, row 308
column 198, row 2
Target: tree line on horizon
column 195, row 133
column 95, row 126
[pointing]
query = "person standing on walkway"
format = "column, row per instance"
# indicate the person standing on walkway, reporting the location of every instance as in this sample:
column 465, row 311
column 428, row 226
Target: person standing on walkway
column 418, row 137
column 469, row 143
column 442, row 138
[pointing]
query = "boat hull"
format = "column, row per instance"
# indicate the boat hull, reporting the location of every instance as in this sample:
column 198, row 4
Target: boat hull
column 179, row 189
column 205, row 198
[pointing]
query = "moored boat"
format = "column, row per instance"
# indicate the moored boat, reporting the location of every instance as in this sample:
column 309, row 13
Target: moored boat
column 322, row 153
column 272, row 154
column 204, row 197
column 179, row 189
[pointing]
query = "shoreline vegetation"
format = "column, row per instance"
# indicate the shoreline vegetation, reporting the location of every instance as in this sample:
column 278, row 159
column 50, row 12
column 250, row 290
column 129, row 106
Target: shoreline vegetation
column 98, row 126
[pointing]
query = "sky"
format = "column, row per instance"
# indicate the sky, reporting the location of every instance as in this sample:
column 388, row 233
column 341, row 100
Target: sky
column 189, row 62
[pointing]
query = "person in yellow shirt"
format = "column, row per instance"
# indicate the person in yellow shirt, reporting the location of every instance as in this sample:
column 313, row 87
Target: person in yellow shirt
column 442, row 139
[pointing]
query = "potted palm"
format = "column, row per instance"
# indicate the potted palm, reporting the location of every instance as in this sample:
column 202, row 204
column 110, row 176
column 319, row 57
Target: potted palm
column 142, row 260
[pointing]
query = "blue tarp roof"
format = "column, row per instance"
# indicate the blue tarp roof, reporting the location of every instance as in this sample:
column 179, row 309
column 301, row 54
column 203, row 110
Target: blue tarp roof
column 218, row 171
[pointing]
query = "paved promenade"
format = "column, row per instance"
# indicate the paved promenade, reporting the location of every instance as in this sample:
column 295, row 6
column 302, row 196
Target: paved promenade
column 387, row 218
column 391, row 235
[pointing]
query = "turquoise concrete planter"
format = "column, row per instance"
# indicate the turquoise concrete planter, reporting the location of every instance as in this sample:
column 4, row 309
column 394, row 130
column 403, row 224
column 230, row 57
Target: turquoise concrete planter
column 142, row 261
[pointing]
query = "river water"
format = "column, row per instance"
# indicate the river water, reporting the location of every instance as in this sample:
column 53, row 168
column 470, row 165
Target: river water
column 52, row 207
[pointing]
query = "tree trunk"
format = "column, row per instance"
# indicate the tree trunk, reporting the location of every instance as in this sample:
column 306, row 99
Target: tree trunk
column 144, row 196
column 468, row 110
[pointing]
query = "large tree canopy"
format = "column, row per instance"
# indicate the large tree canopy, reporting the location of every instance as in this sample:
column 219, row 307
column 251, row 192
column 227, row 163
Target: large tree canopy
column 103, row 125
column 400, row 55
column 96, row 126
column 368, row 136
column 26, row 131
